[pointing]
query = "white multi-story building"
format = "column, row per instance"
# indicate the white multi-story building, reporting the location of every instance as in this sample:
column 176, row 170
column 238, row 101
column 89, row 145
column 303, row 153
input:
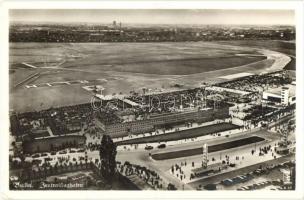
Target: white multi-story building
column 280, row 96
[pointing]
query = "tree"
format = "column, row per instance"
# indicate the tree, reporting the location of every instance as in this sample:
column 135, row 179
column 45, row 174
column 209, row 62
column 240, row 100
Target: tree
column 107, row 153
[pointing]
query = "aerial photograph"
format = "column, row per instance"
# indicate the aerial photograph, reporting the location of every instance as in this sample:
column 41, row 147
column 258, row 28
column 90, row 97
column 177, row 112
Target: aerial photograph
column 152, row 99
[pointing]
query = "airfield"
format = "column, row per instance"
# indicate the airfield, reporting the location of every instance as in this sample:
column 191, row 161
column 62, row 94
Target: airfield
column 44, row 75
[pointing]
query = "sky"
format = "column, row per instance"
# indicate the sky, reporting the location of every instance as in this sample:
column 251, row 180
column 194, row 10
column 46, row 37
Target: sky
column 156, row 16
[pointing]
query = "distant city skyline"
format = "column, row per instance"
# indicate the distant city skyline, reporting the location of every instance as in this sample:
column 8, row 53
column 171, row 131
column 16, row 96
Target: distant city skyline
column 153, row 16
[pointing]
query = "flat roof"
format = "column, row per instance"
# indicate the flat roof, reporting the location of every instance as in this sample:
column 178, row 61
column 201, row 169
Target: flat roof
column 221, row 89
column 125, row 112
column 278, row 90
column 237, row 75
column 132, row 103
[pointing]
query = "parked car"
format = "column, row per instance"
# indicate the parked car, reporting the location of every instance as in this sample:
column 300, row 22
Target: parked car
column 210, row 187
column 36, row 155
column 227, row 182
column 247, row 187
column 44, row 154
column 232, row 164
column 63, row 152
column 14, row 178
column 260, row 171
column 37, row 162
column 80, row 150
column 148, row 148
column 48, row 159
column 237, row 180
column 161, row 146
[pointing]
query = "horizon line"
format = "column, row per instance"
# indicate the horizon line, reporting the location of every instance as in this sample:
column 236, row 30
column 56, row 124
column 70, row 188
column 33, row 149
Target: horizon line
column 134, row 23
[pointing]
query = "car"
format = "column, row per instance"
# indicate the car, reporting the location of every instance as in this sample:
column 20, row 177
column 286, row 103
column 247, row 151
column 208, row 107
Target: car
column 259, row 185
column 237, row 180
column 227, row 182
column 242, row 178
column 44, row 154
column 36, row 155
column 36, row 162
column 14, row 178
column 250, row 176
column 161, row 146
column 247, row 188
column 232, row 164
column 63, row 152
column 268, row 182
column 48, row 159
column 148, row 148
column 257, row 172
column 72, row 151
column 80, row 150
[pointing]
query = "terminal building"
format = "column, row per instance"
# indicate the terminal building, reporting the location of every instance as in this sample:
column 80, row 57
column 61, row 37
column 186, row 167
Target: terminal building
column 122, row 128
column 282, row 96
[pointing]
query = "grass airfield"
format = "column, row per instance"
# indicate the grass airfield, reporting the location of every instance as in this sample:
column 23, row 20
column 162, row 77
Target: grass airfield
column 120, row 67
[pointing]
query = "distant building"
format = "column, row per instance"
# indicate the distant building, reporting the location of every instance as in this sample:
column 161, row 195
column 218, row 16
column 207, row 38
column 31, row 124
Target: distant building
column 280, row 96
column 53, row 143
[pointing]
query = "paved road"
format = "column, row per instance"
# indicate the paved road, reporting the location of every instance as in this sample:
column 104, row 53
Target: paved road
column 141, row 157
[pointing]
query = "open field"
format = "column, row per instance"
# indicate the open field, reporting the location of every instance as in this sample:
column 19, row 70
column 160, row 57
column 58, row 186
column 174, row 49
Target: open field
column 123, row 66
column 275, row 45
column 152, row 58
column 211, row 149
column 286, row 47
column 190, row 133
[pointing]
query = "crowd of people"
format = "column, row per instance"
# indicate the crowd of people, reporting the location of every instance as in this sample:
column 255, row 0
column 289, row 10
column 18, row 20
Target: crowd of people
column 259, row 83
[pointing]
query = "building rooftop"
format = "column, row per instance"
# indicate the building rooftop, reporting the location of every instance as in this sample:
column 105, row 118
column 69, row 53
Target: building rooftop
column 278, row 90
